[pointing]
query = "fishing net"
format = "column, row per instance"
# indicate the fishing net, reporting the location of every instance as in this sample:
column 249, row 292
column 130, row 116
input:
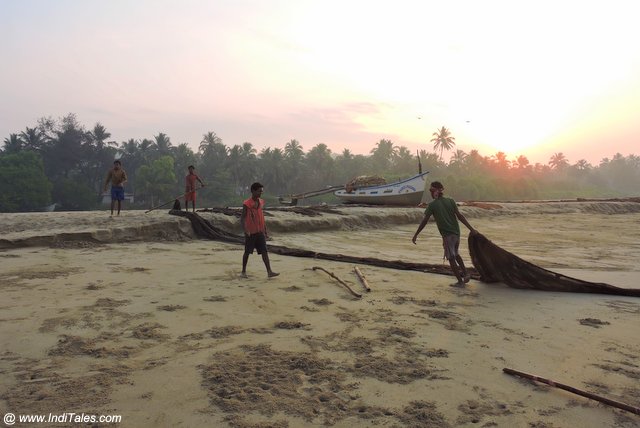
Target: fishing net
column 495, row 264
column 492, row 263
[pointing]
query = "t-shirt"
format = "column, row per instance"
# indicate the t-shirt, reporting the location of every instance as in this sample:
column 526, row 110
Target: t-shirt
column 443, row 209
column 254, row 221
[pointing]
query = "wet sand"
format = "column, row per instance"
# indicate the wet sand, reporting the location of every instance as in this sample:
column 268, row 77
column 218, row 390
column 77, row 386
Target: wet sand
column 160, row 328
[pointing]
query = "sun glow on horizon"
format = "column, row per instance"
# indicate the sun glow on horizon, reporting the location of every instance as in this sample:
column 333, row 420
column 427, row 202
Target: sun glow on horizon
column 520, row 78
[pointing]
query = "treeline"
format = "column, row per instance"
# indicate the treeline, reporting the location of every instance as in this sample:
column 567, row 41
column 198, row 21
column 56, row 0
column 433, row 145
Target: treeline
column 63, row 162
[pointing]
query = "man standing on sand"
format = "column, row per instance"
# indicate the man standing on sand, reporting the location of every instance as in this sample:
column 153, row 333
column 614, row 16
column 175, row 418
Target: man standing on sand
column 190, row 187
column 447, row 215
column 255, row 229
column 118, row 178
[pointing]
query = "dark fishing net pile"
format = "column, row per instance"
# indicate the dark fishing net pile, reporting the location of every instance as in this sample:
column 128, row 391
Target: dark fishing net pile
column 495, row 264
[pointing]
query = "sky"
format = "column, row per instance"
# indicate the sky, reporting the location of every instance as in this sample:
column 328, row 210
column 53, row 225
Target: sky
column 529, row 78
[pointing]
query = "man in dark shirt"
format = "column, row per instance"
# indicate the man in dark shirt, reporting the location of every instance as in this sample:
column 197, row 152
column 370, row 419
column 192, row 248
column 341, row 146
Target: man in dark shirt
column 446, row 213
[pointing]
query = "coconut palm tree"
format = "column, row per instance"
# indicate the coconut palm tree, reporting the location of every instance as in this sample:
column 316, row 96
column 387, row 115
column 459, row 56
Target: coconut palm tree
column 293, row 150
column 442, row 140
column 383, row 155
column 234, row 165
column 404, row 162
column 12, row 144
column 459, row 156
column 522, row 163
column 582, row 165
column 500, row 161
column 163, row 144
column 214, row 152
column 209, row 140
column 32, row 139
column 272, row 170
column 294, row 163
column 99, row 135
column 320, row 165
column 558, row 161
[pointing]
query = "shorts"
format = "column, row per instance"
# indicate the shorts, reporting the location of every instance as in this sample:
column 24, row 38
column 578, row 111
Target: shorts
column 257, row 241
column 190, row 196
column 451, row 244
column 117, row 193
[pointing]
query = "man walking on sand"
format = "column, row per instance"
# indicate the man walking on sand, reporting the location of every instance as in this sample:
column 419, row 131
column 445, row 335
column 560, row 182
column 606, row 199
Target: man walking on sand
column 255, row 229
column 118, row 178
column 190, row 187
column 446, row 213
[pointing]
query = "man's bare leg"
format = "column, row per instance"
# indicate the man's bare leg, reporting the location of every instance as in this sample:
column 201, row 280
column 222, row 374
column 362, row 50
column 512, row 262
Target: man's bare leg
column 456, row 272
column 267, row 264
column 465, row 274
column 245, row 258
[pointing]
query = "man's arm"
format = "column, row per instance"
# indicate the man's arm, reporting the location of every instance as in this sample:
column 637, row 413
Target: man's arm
column 124, row 178
column 201, row 182
column 464, row 220
column 243, row 216
column 424, row 222
column 106, row 181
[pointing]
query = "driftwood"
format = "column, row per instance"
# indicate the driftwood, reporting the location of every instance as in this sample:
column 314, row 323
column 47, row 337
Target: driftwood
column 497, row 265
column 362, row 278
column 339, row 280
column 577, row 391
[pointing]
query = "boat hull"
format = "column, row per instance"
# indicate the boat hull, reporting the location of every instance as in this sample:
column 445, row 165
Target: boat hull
column 405, row 192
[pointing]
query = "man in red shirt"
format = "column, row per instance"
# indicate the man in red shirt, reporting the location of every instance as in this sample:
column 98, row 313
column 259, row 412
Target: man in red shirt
column 255, row 229
column 190, row 188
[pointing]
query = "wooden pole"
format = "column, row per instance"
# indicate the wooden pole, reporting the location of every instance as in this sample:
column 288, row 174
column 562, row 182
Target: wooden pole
column 166, row 203
column 362, row 278
column 590, row 395
column 338, row 279
column 172, row 200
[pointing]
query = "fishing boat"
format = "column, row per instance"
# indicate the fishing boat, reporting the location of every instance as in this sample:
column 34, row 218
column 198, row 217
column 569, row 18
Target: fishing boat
column 406, row 192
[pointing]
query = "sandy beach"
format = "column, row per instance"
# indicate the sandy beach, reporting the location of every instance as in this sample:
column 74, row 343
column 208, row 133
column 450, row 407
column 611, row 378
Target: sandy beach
column 134, row 316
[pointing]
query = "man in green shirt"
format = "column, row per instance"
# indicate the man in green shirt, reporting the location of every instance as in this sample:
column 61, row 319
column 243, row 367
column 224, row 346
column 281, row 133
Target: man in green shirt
column 446, row 213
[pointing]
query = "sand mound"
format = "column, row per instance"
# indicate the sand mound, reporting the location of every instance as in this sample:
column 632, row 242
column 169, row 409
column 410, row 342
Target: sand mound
column 83, row 229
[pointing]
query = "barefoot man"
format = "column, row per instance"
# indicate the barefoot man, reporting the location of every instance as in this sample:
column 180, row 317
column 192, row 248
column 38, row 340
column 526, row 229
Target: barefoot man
column 255, row 229
column 190, row 187
column 447, row 215
column 117, row 177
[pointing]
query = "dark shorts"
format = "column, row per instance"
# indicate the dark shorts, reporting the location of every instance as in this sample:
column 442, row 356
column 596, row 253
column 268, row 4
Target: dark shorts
column 256, row 241
column 117, row 193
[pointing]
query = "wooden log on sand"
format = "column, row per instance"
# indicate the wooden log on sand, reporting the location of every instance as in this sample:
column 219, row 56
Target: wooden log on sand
column 577, row 391
column 362, row 278
column 338, row 279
